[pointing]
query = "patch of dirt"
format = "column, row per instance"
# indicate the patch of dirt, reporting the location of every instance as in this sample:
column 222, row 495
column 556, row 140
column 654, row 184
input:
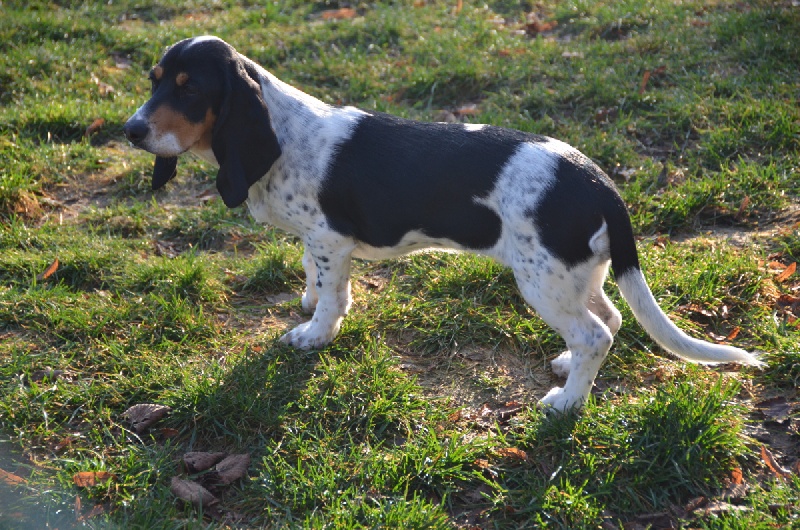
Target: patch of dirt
column 474, row 375
column 782, row 223
column 101, row 188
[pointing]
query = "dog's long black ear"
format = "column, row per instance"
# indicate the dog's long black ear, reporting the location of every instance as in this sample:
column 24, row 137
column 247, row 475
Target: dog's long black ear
column 243, row 141
column 164, row 170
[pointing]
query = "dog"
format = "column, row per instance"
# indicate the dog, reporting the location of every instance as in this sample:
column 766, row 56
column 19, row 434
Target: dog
column 354, row 183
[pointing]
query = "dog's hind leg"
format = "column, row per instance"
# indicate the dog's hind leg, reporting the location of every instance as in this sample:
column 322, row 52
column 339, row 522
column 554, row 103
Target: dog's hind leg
column 600, row 305
column 560, row 295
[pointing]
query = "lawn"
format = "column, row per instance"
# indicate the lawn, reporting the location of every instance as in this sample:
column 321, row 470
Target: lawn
column 115, row 299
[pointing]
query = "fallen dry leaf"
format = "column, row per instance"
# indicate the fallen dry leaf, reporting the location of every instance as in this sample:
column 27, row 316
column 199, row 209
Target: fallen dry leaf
column 742, row 207
column 733, row 334
column 512, row 408
column 338, row 14
column 513, row 453
column 470, row 109
column 192, row 492
column 49, row 271
column 643, row 83
column 233, row 467
column 95, row 126
column 144, row 415
column 10, row 479
column 776, row 409
column 87, row 479
column 772, row 464
column 788, row 271
column 534, row 25
column 198, row 461
column 169, row 432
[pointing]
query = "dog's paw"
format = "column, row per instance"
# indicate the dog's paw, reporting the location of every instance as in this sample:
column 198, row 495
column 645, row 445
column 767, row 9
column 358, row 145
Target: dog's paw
column 559, row 401
column 307, row 337
column 309, row 302
column 562, row 364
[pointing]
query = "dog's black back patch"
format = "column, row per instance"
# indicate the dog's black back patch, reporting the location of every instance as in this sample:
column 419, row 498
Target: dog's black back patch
column 572, row 210
column 395, row 175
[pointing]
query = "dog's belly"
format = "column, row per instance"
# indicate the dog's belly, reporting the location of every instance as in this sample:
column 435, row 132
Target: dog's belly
column 413, row 241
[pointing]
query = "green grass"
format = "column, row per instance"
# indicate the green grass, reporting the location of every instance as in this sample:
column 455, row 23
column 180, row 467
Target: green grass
column 166, row 298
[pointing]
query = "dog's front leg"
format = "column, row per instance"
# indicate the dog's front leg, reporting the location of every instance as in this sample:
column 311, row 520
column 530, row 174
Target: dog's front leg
column 310, row 296
column 327, row 294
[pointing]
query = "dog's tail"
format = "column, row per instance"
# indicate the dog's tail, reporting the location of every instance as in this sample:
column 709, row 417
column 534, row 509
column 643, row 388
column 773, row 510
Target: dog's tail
column 632, row 285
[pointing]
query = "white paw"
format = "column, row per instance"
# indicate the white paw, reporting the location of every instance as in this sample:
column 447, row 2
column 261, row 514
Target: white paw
column 309, row 302
column 559, row 401
column 307, row 336
column 562, row 364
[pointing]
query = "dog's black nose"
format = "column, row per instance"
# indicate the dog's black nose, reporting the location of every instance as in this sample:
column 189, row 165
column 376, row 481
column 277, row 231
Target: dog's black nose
column 136, row 130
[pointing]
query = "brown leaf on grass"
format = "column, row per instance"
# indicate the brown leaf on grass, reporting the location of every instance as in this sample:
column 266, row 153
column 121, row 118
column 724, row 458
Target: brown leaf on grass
column 788, row 304
column 510, row 409
column 10, row 479
column 742, row 208
column 469, row 109
column 144, row 415
column 695, row 503
column 773, row 465
column 87, row 479
column 788, row 271
column 168, row 432
column 95, row 126
column 513, row 453
column 733, row 334
column 736, row 476
column 338, row 14
column 49, row 271
column 233, row 467
column 534, row 25
column 198, row 461
column 775, row 265
column 643, row 83
column 192, row 492
column 459, row 6
column 776, row 409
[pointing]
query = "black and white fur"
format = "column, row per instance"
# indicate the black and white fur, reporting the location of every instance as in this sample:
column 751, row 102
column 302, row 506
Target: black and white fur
column 351, row 183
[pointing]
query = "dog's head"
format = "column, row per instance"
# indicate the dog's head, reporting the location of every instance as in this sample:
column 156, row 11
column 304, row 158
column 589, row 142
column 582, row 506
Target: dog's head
column 206, row 96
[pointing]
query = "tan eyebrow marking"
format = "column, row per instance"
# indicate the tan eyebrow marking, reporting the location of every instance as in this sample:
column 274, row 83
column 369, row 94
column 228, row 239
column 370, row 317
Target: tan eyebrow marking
column 157, row 72
column 181, row 78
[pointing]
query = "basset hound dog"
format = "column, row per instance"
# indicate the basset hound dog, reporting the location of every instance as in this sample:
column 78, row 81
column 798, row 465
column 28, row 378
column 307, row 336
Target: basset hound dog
column 355, row 183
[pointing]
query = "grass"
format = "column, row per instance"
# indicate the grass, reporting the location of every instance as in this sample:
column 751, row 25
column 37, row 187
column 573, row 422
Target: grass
column 422, row 413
